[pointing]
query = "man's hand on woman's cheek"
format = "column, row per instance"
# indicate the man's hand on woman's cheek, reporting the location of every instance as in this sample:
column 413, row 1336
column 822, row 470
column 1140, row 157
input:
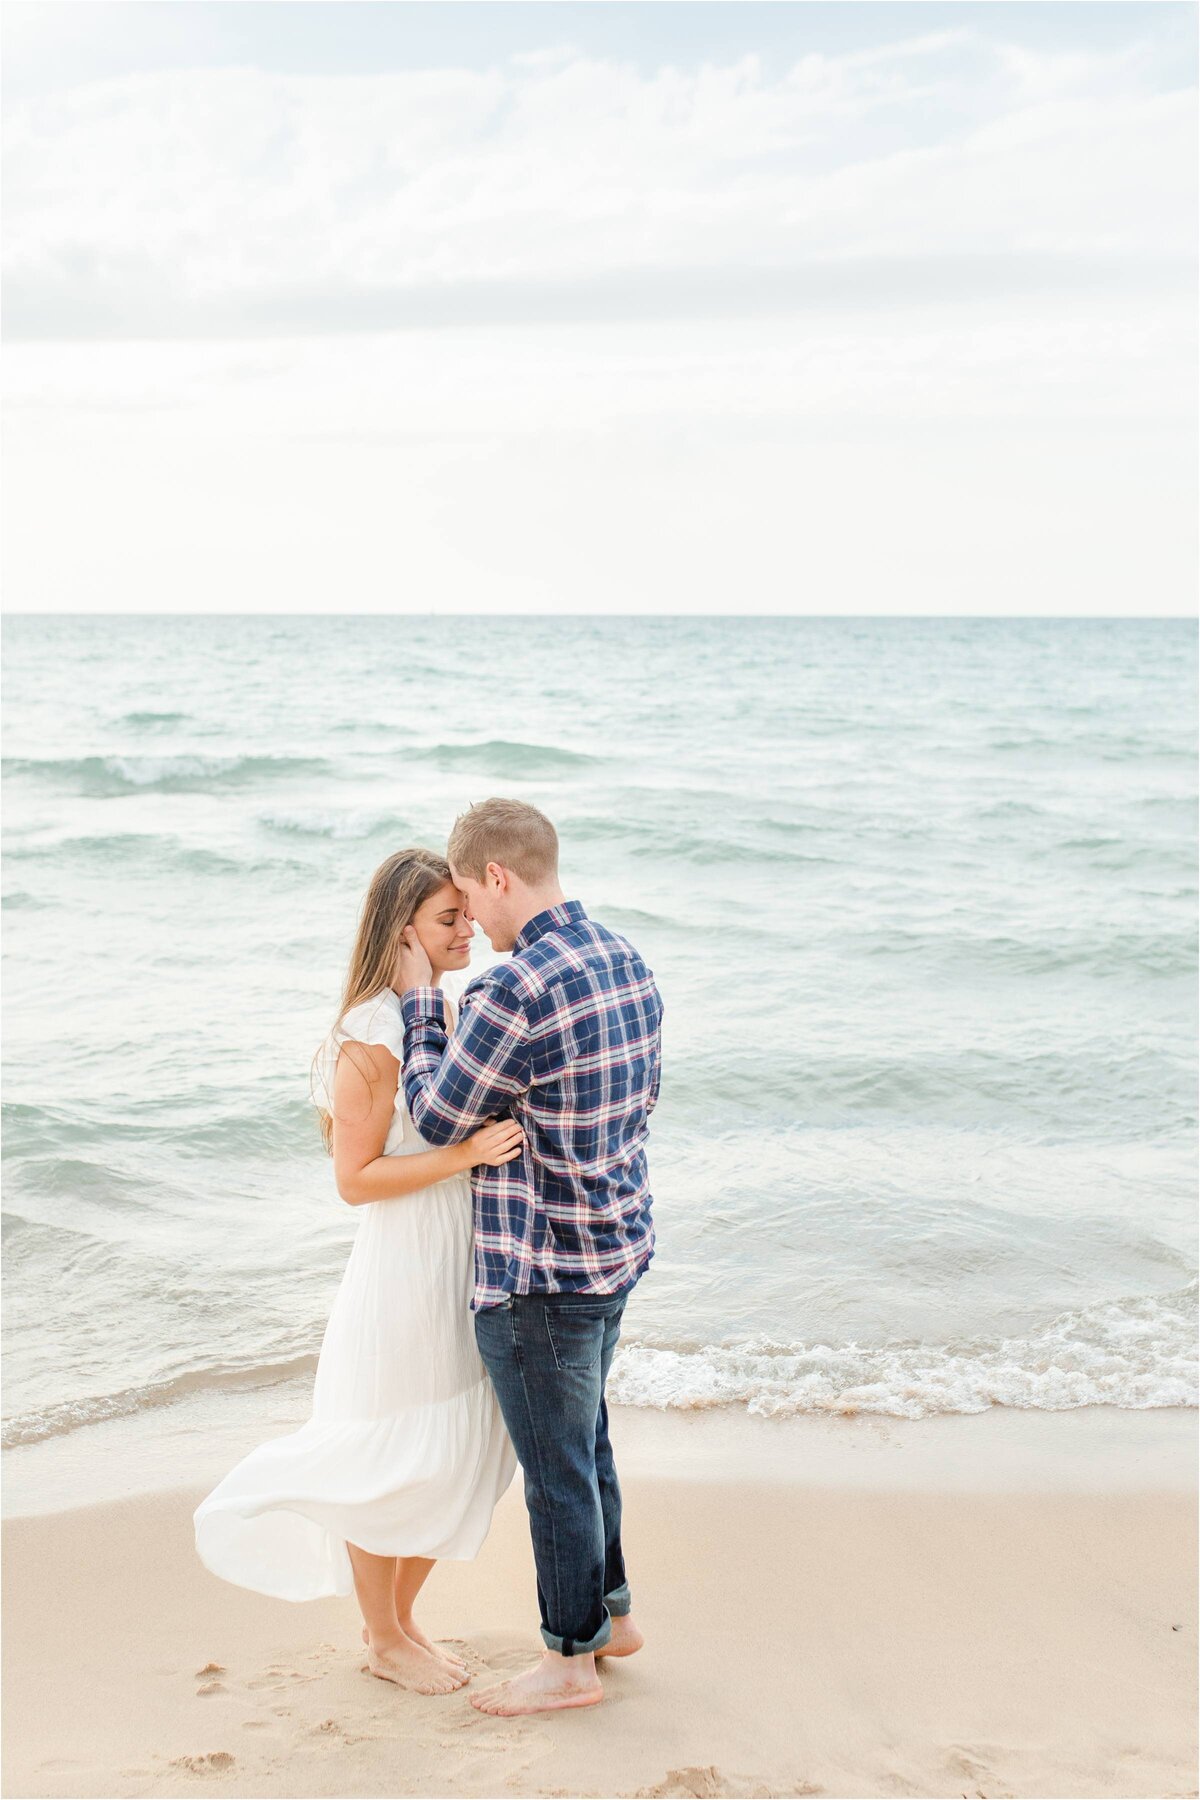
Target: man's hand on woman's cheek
column 413, row 968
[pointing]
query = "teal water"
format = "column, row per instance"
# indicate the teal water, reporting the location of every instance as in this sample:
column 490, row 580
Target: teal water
column 920, row 896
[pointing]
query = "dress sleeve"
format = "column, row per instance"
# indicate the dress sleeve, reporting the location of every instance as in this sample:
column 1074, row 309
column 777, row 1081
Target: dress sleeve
column 374, row 1021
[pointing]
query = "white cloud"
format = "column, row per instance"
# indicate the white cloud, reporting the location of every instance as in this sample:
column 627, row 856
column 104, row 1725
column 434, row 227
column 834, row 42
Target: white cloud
column 211, row 199
column 909, row 328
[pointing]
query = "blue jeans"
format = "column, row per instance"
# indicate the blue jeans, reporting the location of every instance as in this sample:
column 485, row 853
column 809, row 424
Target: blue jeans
column 548, row 1356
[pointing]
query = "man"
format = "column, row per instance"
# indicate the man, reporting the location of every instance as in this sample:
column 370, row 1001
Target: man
column 565, row 1037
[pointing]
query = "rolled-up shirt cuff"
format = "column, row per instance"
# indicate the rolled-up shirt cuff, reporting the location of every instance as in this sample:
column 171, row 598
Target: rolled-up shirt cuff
column 422, row 1003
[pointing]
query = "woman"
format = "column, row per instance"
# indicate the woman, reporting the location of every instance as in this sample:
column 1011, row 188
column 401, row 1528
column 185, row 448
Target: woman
column 406, row 1453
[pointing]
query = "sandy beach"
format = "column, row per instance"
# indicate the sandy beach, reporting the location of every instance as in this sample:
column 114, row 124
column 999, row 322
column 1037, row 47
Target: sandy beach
column 831, row 1607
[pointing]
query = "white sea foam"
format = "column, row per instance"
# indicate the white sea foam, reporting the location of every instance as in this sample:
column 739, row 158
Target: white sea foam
column 316, row 822
column 95, row 1409
column 151, row 771
column 101, row 777
column 1136, row 1352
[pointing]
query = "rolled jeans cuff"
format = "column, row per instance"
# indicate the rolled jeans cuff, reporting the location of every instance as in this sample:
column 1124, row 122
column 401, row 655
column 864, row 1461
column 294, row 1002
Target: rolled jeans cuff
column 616, row 1605
column 619, row 1602
column 578, row 1646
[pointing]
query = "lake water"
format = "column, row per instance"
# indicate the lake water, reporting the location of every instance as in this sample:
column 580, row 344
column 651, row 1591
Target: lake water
column 920, row 896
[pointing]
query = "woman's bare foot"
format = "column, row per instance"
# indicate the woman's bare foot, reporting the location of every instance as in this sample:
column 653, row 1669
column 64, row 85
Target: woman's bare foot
column 548, row 1687
column 409, row 1666
column 625, row 1639
column 413, row 1631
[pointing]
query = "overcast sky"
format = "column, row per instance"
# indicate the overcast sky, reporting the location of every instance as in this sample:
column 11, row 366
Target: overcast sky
column 667, row 307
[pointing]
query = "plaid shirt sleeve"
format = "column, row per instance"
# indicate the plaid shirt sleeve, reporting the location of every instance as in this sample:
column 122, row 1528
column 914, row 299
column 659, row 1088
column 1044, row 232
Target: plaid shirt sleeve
column 452, row 1086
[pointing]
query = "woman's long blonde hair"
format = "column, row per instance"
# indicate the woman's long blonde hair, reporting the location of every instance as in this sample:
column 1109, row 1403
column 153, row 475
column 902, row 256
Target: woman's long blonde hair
column 398, row 887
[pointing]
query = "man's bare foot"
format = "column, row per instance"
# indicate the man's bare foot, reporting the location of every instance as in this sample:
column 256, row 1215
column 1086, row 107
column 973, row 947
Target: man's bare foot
column 625, row 1639
column 549, row 1686
column 409, row 1666
column 412, row 1630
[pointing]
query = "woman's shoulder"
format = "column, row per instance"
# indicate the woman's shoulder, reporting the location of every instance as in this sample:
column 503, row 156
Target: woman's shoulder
column 380, row 1018
column 369, row 1021
column 376, row 1020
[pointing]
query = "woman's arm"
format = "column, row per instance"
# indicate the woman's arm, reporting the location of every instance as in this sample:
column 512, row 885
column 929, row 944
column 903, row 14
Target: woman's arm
column 364, row 1098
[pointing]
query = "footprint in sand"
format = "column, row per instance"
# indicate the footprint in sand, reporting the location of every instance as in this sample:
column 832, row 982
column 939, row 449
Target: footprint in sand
column 706, row 1782
column 215, row 1762
column 279, row 1677
column 494, row 1742
column 336, row 1733
column 505, row 1659
column 964, row 1763
column 700, row 1783
column 212, row 1687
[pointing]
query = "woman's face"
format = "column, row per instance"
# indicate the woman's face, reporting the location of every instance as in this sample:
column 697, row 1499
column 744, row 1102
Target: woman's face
column 444, row 930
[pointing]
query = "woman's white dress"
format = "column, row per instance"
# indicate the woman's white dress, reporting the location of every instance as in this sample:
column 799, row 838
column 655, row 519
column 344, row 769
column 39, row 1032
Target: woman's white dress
column 406, row 1452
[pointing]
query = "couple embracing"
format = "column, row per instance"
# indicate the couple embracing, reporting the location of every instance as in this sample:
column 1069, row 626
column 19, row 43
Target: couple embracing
column 497, row 1149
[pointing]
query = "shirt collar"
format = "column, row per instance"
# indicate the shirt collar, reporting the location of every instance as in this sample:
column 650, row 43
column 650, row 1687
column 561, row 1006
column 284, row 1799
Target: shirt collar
column 567, row 912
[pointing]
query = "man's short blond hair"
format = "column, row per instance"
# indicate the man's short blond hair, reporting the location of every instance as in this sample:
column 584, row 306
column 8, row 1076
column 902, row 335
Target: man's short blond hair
column 508, row 832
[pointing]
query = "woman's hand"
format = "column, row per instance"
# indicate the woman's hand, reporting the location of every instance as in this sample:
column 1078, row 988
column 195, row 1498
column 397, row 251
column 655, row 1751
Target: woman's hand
column 496, row 1143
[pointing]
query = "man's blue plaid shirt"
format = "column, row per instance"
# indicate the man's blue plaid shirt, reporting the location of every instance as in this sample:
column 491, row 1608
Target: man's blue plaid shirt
column 567, row 1038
